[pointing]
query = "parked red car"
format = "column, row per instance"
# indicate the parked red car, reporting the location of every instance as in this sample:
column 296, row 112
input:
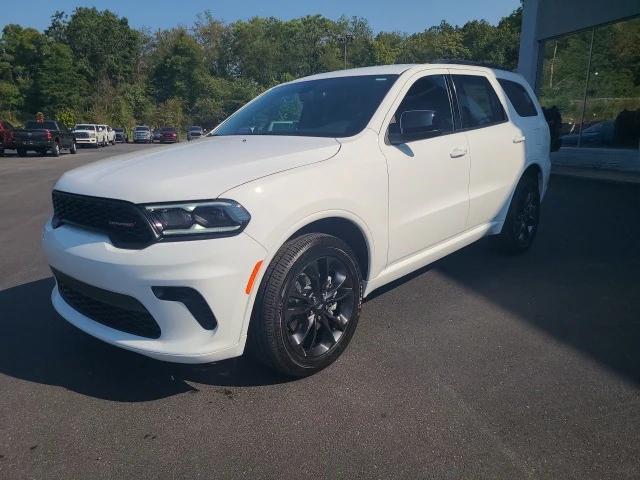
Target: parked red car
column 7, row 137
column 169, row 135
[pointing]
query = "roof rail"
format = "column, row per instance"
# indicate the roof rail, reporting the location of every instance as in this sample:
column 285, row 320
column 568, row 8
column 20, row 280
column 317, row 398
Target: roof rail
column 475, row 63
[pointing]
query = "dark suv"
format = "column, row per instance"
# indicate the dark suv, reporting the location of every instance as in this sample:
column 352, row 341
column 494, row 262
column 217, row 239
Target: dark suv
column 121, row 135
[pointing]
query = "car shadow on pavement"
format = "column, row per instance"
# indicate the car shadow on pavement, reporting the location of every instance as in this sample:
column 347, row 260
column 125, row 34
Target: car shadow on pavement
column 37, row 345
column 580, row 281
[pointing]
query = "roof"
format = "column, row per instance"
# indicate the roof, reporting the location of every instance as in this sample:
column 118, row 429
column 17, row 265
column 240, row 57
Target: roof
column 400, row 69
column 352, row 72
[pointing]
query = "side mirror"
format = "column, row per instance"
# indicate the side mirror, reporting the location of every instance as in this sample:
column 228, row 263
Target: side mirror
column 414, row 125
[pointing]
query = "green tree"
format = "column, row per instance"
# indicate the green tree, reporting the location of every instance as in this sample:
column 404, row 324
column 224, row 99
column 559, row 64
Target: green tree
column 57, row 84
column 102, row 43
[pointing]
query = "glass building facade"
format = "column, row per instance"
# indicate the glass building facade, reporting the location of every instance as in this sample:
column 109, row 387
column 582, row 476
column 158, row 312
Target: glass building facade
column 593, row 78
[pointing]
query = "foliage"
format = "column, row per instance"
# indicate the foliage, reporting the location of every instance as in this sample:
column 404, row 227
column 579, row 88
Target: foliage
column 67, row 117
column 92, row 66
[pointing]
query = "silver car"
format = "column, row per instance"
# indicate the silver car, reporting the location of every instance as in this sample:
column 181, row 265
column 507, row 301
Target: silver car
column 141, row 134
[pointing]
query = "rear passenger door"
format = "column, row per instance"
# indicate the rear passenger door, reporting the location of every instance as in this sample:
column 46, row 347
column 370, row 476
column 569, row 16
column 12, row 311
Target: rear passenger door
column 496, row 146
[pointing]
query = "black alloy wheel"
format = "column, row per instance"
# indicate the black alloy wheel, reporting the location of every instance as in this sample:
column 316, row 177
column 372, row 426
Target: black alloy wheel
column 307, row 306
column 526, row 218
column 319, row 305
column 521, row 224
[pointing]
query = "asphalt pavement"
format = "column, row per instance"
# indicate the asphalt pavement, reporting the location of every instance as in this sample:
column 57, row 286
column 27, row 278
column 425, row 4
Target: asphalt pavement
column 480, row 366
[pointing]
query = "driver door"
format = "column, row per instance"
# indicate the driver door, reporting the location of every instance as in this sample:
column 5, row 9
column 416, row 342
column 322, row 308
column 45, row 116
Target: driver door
column 428, row 171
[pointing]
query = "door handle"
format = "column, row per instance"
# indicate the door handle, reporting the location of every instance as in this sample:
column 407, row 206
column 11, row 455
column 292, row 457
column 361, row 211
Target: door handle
column 518, row 139
column 458, row 152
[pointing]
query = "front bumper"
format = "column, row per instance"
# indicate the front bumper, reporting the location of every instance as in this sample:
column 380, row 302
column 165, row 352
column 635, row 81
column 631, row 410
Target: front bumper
column 218, row 269
column 86, row 141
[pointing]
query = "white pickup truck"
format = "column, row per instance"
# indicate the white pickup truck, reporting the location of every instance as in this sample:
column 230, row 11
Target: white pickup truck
column 89, row 134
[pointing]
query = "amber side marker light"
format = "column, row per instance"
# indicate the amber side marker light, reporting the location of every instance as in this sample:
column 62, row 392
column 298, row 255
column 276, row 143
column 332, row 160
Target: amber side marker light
column 253, row 276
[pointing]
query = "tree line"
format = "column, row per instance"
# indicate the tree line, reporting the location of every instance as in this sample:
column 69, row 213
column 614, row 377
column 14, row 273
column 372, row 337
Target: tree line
column 92, row 66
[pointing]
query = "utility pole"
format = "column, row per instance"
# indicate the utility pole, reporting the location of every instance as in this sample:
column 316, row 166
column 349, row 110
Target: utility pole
column 347, row 38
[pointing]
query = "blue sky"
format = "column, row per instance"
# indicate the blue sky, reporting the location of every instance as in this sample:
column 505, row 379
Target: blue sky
column 402, row 15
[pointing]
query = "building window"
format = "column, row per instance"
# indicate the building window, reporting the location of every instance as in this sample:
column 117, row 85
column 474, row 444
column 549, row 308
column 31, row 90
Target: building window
column 593, row 78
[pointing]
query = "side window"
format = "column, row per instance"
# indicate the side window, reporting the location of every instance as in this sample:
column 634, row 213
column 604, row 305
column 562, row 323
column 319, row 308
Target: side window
column 519, row 98
column 479, row 104
column 428, row 94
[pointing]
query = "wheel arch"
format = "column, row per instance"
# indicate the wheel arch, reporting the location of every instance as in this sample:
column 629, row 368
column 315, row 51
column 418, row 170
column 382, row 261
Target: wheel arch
column 534, row 171
column 345, row 229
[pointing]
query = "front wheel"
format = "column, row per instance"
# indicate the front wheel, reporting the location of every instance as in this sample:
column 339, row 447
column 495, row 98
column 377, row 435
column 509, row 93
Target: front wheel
column 55, row 150
column 521, row 224
column 308, row 305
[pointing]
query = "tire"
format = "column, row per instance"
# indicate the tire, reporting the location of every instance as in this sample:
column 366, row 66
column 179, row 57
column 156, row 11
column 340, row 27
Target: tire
column 296, row 327
column 521, row 224
column 1, row 152
column 73, row 149
column 22, row 152
column 95, row 145
column 55, row 150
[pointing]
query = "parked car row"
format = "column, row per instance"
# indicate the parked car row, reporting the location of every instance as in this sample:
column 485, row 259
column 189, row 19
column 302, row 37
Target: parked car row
column 168, row 134
column 94, row 135
column 51, row 136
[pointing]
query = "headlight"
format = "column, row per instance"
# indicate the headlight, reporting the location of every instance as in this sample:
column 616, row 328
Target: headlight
column 92, row 135
column 213, row 218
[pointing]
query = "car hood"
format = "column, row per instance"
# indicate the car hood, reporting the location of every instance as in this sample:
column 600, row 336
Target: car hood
column 195, row 171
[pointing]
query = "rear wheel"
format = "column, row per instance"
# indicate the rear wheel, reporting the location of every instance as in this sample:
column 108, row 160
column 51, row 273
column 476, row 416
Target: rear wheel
column 1, row 152
column 307, row 306
column 73, row 149
column 55, row 150
column 521, row 225
column 22, row 152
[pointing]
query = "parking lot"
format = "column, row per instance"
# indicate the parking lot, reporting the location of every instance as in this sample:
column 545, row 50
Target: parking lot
column 481, row 366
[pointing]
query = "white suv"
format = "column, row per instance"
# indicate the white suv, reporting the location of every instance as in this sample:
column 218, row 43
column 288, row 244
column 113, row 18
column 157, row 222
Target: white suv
column 271, row 237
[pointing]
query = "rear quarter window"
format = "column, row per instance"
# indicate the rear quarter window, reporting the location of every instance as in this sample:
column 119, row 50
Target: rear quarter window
column 519, row 98
column 478, row 101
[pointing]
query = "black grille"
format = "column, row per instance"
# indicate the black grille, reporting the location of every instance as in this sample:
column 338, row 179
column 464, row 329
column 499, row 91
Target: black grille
column 122, row 221
column 114, row 310
column 82, row 134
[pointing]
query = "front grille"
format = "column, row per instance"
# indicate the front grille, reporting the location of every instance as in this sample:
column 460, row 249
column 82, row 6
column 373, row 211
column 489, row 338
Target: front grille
column 122, row 221
column 114, row 310
column 82, row 134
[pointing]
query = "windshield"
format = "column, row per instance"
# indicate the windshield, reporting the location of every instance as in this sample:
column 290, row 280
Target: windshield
column 332, row 107
column 119, row 130
column 41, row 126
column 141, row 129
column 85, row 127
column 167, row 129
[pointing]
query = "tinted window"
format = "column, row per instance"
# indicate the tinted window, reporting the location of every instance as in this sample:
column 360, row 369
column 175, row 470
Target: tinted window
column 85, row 127
column 479, row 104
column 332, row 107
column 519, row 98
column 429, row 93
